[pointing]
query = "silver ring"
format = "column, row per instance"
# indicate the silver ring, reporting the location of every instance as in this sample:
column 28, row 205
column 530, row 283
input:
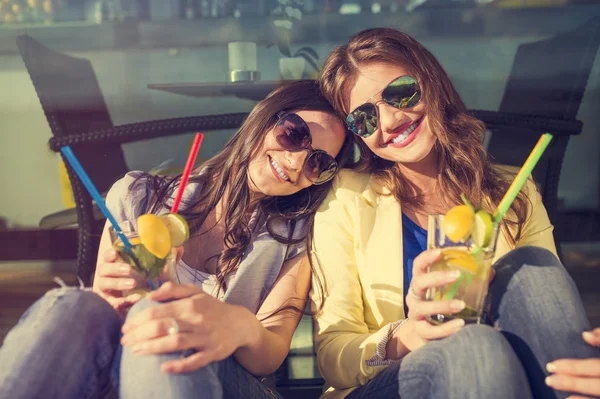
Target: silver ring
column 412, row 292
column 173, row 328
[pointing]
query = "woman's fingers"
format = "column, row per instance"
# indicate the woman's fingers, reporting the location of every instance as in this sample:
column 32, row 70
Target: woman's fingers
column 592, row 337
column 430, row 332
column 421, row 283
column 189, row 363
column 116, row 270
column 110, row 255
column 424, row 260
column 155, row 329
column 576, row 367
column 172, row 291
column 166, row 344
column 569, row 383
column 179, row 254
column 120, row 304
column 421, row 309
column 115, row 284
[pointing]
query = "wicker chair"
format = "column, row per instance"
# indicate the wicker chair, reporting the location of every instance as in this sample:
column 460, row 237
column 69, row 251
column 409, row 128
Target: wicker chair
column 547, row 83
column 77, row 114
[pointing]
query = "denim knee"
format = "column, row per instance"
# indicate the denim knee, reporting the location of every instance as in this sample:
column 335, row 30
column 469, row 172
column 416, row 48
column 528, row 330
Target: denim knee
column 140, row 306
column 530, row 271
column 70, row 307
column 530, row 256
column 476, row 362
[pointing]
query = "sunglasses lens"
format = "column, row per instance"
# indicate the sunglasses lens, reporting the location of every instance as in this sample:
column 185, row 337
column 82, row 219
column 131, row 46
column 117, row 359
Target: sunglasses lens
column 363, row 120
column 320, row 167
column 293, row 134
column 403, row 92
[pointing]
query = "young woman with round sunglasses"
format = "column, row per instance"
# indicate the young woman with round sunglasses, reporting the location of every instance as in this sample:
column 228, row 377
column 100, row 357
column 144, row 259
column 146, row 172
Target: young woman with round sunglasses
column 420, row 149
column 242, row 277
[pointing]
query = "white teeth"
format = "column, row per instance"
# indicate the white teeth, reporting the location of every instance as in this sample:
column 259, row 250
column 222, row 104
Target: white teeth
column 406, row 133
column 278, row 170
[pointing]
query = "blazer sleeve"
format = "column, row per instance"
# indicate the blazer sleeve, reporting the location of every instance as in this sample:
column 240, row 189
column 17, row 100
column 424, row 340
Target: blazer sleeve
column 342, row 338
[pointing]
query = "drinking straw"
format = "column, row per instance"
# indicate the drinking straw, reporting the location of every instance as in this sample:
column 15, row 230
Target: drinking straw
column 87, row 182
column 522, row 176
column 187, row 170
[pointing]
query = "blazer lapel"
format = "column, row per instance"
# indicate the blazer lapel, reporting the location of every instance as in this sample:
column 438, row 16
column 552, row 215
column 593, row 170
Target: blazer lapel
column 380, row 254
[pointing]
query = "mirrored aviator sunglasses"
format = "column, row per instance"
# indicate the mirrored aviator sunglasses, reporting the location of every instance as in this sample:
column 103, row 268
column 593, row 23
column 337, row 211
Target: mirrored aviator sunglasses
column 293, row 135
column 403, row 92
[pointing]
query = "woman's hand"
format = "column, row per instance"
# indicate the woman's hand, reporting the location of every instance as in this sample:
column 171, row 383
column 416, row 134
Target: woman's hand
column 113, row 277
column 577, row 375
column 192, row 320
column 419, row 308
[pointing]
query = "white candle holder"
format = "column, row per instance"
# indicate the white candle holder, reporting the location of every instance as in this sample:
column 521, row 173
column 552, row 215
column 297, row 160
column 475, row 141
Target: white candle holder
column 242, row 62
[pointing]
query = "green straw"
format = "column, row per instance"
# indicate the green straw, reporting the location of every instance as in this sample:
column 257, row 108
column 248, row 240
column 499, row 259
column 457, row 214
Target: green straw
column 522, row 176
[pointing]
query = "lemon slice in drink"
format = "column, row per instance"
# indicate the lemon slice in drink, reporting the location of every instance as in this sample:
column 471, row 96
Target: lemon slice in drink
column 461, row 259
column 458, row 222
column 154, row 235
column 178, row 228
column 482, row 229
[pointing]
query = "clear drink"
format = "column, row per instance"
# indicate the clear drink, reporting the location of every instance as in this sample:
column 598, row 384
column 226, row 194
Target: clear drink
column 145, row 263
column 474, row 264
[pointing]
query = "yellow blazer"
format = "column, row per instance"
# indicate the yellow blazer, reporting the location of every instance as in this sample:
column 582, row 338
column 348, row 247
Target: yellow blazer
column 358, row 245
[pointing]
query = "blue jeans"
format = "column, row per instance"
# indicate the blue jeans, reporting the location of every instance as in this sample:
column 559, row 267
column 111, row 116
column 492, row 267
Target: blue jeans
column 66, row 345
column 538, row 317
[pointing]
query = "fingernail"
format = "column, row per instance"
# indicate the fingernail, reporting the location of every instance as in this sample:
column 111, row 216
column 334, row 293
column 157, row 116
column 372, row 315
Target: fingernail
column 548, row 381
column 124, row 269
column 459, row 323
column 457, row 305
column 551, row 367
column 437, row 252
column 128, row 284
column 588, row 335
column 454, row 274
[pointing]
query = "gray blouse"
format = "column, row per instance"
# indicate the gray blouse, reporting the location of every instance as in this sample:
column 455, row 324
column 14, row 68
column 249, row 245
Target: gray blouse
column 130, row 197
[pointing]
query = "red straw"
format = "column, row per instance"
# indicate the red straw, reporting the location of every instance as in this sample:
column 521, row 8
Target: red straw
column 187, row 170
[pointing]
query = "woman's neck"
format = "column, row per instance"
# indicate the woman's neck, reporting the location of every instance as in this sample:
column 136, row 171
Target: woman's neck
column 422, row 175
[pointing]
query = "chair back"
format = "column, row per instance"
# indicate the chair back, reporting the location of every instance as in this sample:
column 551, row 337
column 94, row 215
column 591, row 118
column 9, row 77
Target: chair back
column 548, row 79
column 73, row 104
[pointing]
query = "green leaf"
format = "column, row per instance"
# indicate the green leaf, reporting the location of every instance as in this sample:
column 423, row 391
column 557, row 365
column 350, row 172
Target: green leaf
column 311, row 61
column 282, row 39
column 310, row 51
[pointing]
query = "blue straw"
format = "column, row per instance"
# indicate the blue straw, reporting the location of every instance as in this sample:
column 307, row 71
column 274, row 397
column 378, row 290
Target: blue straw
column 87, row 182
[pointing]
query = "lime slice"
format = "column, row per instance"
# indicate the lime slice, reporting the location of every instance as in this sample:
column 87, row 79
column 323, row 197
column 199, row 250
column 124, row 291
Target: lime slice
column 482, row 229
column 178, row 228
column 458, row 222
column 154, row 235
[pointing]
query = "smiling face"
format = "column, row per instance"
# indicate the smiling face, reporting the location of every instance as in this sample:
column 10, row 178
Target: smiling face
column 274, row 171
column 402, row 135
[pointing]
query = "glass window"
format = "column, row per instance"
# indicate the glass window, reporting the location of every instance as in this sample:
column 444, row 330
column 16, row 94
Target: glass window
column 155, row 59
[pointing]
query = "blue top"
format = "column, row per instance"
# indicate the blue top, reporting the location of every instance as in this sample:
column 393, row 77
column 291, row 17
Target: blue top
column 415, row 241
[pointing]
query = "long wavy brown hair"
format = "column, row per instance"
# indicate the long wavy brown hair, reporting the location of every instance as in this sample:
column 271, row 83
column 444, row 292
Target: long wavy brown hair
column 463, row 163
column 226, row 174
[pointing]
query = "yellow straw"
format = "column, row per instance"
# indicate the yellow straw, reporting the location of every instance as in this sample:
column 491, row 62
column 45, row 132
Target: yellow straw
column 522, row 176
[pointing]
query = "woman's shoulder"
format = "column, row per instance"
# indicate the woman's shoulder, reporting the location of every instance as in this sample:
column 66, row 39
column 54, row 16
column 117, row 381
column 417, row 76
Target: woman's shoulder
column 530, row 189
column 350, row 184
column 129, row 196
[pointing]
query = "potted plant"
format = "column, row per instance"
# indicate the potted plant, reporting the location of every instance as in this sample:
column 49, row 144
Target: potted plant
column 292, row 65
